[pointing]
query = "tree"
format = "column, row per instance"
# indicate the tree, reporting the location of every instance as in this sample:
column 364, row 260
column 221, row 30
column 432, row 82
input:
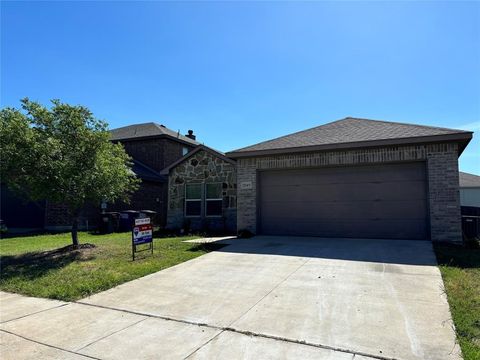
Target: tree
column 63, row 155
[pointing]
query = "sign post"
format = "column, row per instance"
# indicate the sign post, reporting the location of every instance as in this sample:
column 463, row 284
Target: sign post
column 142, row 233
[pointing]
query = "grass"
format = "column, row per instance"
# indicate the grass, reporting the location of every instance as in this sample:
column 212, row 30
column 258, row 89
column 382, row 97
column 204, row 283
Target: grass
column 460, row 268
column 42, row 266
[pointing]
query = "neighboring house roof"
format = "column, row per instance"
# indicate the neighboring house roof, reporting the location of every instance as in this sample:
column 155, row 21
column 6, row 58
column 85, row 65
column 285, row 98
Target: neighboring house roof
column 146, row 173
column 142, row 131
column 194, row 151
column 469, row 180
column 352, row 133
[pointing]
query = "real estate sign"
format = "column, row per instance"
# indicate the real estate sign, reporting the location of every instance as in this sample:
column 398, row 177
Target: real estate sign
column 142, row 233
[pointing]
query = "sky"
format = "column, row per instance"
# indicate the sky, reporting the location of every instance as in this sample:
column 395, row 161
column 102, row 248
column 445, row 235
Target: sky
column 238, row 73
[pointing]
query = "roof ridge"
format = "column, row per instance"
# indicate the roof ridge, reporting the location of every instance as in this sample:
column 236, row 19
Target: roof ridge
column 404, row 123
column 294, row 133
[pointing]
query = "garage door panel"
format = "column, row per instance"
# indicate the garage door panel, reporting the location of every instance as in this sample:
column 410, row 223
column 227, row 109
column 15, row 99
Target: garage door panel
column 363, row 174
column 354, row 192
column 350, row 228
column 406, row 209
column 381, row 201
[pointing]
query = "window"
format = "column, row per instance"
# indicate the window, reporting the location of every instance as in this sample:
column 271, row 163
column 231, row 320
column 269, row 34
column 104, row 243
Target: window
column 213, row 199
column 184, row 151
column 193, row 199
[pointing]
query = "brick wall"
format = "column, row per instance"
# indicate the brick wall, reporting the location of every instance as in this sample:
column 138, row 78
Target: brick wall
column 156, row 153
column 202, row 167
column 58, row 218
column 442, row 168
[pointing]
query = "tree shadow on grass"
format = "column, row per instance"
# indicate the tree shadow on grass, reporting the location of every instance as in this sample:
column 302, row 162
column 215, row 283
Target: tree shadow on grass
column 36, row 264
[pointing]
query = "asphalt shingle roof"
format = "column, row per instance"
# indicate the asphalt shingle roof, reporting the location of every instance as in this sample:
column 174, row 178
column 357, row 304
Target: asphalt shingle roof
column 469, row 180
column 144, row 172
column 146, row 130
column 349, row 130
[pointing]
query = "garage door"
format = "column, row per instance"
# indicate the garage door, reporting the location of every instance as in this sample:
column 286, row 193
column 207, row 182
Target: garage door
column 384, row 201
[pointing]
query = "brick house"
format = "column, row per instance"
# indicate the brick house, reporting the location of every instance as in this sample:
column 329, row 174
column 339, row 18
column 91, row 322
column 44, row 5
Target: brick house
column 354, row 178
column 349, row 178
column 153, row 147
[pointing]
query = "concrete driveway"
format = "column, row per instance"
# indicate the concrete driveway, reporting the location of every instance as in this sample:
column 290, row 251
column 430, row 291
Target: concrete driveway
column 265, row 297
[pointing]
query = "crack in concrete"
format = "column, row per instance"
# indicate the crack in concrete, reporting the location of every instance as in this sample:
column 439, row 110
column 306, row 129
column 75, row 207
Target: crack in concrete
column 50, row 346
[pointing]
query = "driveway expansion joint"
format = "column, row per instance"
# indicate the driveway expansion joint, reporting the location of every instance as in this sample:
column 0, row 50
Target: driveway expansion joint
column 113, row 333
column 243, row 332
column 49, row 345
column 34, row 313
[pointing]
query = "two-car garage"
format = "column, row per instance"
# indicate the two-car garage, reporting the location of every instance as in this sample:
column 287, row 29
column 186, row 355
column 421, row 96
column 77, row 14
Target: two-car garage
column 353, row 178
column 380, row 201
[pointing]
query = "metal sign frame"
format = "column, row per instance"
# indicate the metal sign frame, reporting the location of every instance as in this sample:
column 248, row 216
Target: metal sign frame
column 142, row 233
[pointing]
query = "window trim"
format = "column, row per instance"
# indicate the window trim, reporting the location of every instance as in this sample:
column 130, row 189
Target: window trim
column 213, row 199
column 186, row 200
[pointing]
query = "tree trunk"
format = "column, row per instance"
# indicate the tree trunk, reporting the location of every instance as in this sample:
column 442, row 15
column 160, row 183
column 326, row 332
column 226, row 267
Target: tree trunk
column 75, row 231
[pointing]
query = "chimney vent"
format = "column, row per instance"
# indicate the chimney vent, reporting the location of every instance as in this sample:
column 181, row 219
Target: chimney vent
column 190, row 135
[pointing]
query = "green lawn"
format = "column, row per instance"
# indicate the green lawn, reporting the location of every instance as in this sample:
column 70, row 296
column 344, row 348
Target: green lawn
column 37, row 265
column 460, row 269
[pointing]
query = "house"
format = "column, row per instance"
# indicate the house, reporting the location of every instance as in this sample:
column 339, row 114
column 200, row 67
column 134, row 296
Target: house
column 202, row 192
column 353, row 178
column 349, row 178
column 469, row 189
column 20, row 215
column 153, row 147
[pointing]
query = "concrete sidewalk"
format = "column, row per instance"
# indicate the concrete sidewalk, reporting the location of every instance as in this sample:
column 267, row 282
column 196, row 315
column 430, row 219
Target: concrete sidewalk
column 49, row 329
column 265, row 297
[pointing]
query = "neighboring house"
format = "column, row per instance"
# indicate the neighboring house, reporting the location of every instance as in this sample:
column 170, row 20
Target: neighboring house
column 202, row 192
column 19, row 214
column 152, row 147
column 353, row 178
column 469, row 189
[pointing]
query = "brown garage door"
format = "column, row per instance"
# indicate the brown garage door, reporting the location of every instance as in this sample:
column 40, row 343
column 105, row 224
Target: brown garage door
column 381, row 201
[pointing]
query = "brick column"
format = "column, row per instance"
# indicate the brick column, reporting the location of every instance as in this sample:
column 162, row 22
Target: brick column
column 246, row 196
column 444, row 196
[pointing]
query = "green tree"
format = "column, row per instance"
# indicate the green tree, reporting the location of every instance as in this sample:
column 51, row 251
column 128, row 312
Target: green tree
column 63, row 155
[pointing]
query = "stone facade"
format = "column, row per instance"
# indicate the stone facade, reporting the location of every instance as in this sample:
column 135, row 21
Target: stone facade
column 442, row 173
column 202, row 167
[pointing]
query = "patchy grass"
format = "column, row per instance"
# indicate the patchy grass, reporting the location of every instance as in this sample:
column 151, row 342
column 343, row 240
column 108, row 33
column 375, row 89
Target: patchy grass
column 460, row 268
column 44, row 266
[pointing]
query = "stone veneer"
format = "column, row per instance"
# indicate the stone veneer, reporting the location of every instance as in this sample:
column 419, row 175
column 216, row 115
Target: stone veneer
column 442, row 173
column 202, row 167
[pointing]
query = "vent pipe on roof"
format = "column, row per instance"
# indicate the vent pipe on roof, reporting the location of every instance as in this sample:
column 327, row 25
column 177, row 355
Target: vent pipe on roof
column 190, row 135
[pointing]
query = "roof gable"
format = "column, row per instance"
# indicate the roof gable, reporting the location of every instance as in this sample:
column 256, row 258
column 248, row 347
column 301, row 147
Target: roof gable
column 351, row 132
column 144, row 172
column 141, row 131
column 194, row 151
